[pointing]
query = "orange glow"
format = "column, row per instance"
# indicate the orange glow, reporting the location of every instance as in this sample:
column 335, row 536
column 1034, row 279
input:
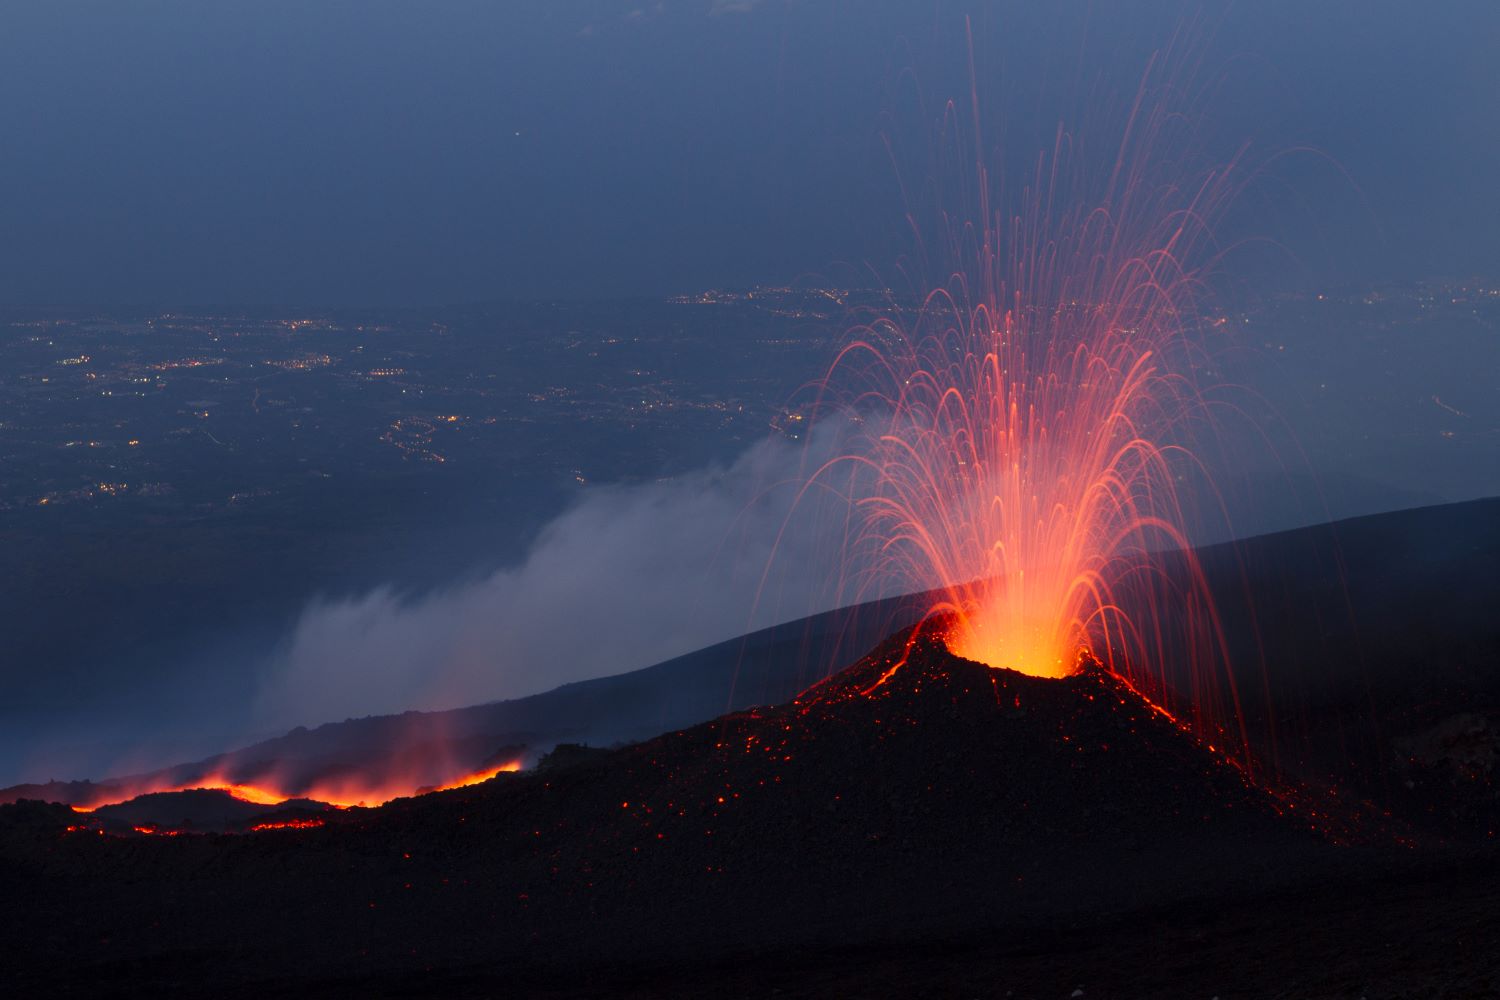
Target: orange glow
column 252, row 793
column 290, row 824
column 1021, row 440
column 261, row 795
column 479, row 776
column 343, row 793
column 1024, row 466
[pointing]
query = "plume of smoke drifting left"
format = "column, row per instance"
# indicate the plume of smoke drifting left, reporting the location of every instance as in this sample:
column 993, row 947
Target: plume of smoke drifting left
column 627, row 577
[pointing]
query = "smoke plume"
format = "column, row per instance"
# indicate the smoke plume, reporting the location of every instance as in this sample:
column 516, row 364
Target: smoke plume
column 627, row 577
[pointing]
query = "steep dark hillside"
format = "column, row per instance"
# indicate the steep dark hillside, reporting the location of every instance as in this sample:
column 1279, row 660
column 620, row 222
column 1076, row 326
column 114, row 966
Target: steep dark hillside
column 951, row 798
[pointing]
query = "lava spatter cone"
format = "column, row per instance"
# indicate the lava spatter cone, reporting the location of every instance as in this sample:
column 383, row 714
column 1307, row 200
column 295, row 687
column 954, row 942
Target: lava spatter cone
column 951, row 797
column 972, row 795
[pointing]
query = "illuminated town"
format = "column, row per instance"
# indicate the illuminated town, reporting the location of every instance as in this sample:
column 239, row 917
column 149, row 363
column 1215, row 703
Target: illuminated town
column 190, row 414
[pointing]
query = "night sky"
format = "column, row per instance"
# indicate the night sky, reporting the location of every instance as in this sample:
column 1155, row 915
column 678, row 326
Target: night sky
column 379, row 152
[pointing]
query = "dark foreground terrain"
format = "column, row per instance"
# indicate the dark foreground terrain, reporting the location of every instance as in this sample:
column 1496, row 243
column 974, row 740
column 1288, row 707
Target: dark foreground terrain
column 1428, row 931
column 954, row 830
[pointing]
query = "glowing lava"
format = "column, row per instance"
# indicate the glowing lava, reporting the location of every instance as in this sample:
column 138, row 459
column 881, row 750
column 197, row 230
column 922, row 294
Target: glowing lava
column 1016, row 478
column 257, row 794
column 290, row 824
column 479, row 777
column 343, row 795
column 1024, row 435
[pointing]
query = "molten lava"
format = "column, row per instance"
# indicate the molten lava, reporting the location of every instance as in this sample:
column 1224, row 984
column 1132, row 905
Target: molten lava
column 479, row 776
column 336, row 794
column 1023, row 437
column 257, row 794
column 290, row 824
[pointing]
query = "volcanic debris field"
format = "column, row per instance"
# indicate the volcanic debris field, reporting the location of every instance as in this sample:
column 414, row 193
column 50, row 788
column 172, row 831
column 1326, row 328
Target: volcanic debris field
column 868, row 831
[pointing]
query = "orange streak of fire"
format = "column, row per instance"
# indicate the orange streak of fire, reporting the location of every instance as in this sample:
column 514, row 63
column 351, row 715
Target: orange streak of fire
column 342, row 797
column 479, row 776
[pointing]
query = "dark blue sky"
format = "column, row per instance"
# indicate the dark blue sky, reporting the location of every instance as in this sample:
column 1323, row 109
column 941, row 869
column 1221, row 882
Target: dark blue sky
column 377, row 152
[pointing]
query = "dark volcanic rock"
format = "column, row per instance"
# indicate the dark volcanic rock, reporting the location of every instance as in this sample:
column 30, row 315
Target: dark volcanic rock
column 200, row 809
column 950, row 799
column 1449, row 770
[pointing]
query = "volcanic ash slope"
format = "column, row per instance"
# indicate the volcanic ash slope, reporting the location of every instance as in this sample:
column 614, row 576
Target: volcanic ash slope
column 950, row 799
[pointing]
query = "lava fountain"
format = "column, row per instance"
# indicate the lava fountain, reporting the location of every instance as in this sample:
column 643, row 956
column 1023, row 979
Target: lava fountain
column 1025, row 432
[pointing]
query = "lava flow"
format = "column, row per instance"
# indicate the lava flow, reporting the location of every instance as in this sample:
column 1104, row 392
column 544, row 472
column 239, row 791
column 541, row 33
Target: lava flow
column 254, row 794
column 1024, row 434
column 477, row 777
column 105, row 798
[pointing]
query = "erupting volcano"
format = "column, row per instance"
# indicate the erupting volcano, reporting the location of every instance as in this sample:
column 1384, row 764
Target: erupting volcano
column 1024, row 439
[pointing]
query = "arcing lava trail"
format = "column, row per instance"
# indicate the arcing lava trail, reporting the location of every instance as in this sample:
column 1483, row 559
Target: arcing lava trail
column 1025, row 436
